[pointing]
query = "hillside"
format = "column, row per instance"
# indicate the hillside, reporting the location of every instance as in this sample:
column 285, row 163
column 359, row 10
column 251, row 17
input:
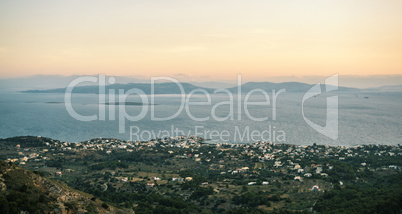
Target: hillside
column 26, row 191
column 186, row 175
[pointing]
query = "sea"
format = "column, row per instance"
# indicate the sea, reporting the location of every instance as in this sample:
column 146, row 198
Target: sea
column 362, row 118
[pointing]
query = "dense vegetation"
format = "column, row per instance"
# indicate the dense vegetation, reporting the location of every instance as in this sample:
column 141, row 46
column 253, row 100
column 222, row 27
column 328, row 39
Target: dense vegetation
column 382, row 196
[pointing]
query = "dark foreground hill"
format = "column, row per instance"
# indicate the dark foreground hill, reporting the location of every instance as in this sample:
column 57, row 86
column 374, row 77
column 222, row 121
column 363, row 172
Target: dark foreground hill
column 23, row 191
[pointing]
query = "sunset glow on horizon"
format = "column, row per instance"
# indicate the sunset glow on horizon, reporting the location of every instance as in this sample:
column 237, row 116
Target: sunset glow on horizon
column 206, row 39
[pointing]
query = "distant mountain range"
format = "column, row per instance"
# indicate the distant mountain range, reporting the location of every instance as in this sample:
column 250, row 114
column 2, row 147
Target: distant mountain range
column 159, row 88
column 173, row 88
column 386, row 88
column 43, row 82
column 289, row 86
column 58, row 84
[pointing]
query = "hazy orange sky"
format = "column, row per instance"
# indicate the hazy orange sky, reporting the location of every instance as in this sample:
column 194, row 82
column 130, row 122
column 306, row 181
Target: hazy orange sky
column 206, row 39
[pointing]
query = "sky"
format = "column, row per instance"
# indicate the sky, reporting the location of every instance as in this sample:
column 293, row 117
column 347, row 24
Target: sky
column 201, row 40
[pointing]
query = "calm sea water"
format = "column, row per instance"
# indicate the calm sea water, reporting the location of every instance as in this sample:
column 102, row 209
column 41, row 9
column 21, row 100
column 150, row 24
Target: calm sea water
column 371, row 118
